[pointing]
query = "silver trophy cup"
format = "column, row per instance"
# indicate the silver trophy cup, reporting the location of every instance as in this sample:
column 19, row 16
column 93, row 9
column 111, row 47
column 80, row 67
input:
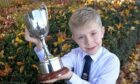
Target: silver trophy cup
column 37, row 25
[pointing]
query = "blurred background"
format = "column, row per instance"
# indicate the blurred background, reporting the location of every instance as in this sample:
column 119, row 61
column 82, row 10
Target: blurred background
column 18, row 61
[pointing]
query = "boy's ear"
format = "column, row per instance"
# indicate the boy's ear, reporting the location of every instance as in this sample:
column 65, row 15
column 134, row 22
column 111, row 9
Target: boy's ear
column 72, row 37
column 103, row 31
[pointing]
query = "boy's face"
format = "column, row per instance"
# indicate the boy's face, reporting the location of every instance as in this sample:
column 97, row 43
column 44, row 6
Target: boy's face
column 88, row 37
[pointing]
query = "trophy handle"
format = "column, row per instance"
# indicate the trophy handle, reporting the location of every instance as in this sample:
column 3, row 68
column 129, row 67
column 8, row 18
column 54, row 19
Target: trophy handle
column 43, row 6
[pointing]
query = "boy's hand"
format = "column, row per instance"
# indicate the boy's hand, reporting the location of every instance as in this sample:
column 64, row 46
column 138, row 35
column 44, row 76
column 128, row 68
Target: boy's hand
column 32, row 39
column 52, row 77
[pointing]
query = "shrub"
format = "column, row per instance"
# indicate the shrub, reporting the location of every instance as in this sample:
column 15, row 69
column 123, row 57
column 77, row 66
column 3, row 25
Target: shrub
column 18, row 62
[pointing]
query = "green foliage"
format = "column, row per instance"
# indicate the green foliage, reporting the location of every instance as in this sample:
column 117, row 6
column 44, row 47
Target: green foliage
column 18, row 61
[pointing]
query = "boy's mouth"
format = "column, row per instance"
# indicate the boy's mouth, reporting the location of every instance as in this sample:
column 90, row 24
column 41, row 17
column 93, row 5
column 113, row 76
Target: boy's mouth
column 90, row 48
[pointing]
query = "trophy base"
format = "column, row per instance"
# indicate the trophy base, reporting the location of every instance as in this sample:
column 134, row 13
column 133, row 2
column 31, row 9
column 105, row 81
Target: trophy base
column 50, row 65
column 52, row 75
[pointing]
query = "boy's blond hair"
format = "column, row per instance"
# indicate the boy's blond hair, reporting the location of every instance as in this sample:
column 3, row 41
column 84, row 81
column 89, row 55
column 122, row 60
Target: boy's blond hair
column 83, row 16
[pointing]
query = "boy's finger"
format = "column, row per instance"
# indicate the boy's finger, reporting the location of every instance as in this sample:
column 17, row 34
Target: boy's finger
column 49, row 81
column 27, row 36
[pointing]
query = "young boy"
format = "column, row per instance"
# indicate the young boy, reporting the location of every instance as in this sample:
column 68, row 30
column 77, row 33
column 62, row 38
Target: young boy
column 88, row 32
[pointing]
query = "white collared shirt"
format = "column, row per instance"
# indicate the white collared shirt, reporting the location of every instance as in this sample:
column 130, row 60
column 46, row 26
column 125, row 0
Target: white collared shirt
column 105, row 66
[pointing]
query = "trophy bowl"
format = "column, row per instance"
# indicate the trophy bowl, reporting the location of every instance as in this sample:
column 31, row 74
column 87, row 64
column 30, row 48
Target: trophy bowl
column 37, row 22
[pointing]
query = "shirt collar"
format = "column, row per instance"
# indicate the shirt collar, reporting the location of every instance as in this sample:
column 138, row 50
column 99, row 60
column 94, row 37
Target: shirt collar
column 95, row 56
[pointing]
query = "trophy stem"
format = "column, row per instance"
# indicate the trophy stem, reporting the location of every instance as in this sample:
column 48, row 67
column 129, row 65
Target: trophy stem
column 47, row 53
column 45, row 47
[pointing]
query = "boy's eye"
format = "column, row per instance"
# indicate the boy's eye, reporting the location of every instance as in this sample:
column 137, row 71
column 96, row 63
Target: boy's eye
column 93, row 33
column 81, row 37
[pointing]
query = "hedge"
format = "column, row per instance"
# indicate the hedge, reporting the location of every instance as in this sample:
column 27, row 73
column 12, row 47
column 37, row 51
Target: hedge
column 18, row 61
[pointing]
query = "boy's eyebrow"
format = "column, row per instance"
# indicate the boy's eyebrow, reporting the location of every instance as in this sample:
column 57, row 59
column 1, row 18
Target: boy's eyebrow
column 78, row 34
column 83, row 34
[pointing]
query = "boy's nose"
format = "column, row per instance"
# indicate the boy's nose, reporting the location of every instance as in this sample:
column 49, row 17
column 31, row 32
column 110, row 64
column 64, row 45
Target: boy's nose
column 89, row 41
